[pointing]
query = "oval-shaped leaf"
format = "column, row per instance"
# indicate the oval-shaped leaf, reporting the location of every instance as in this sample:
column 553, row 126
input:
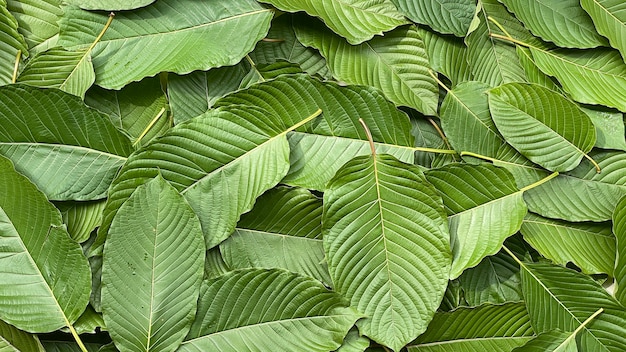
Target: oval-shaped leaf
column 155, row 243
column 268, row 310
column 42, row 292
column 165, row 36
column 444, row 16
column 619, row 230
column 387, row 246
column 541, row 124
column 609, row 20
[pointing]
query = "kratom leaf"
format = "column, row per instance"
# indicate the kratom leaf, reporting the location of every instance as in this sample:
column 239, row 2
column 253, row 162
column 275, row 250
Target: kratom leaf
column 64, row 346
column 447, row 55
column 582, row 194
column 609, row 126
column 550, row 341
column 162, row 40
column 110, row 5
column 533, row 73
column 268, row 310
column 563, row 22
column 15, row 340
column 155, row 242
column 291, row 97
column 397, row 63
column 81, row 218
column 11, row 43
column 590, row 246
column 619, row 230
column 381, row 221
column 42, row 292
column 541, row 124
column 70, row 151
column 609, row 20
column 595, row 76
column 214, row 265
column 355, row 20
column 444, row 16
column 484, row 207
column 37, row 21
column 354, row 342
column 484, row 328
column 428, row 136
column 88, row 322
column 554, row 298
column 264, row 72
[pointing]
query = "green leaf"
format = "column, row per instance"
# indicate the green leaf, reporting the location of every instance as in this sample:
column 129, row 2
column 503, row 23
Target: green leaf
column 163, row 259
column 15, row 340
column 381, row 221
column 41, row 292
column 582, row 194
column 110, row 5
column 563, row 22
column 64, row 346
column 550, row 341
column 89, row 321
column 159, row 37
column 293, row 97
column 11, row 44
column 263, row 72
column 268, row 310
column 447, row 55
column 609, row 20
column 484, row 207
column 397, row 64
column 354, row 342
column 220, row 161
column 595, row 76
column 70, row 71
column 609, row 126
column 214, row 265
column 428, row 136
column 47, row 132
column 533, row 73
column 484, row 328
column 81, row 218
column 355, row 20
column 444, row 16
column 619, row 229
column 590, row 246
column 541, row 124
column 554, row 299
column 37, row 21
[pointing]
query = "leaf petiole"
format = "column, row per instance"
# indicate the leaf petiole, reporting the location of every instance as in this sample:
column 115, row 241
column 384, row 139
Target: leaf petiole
column 106, row 26
column 77, row 338
column 149, row 127
column 369, row 137
column 17, row 65
column 540, row 182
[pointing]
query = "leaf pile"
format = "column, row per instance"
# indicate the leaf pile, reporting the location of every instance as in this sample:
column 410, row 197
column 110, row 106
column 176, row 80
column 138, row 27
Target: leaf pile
column 433, row 175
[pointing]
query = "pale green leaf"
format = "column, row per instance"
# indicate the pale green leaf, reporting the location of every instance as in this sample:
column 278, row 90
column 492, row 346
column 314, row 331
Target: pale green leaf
column 387, row 246
column 11, row 43
column 37, row 21
column 619, row 230
column 484, row 207
column 15, row 340
column 397, row 64
column 590, row 246
column 70, row 151
column 550, row 341
column 170, row 35
column 110, row 5
column 214, row 265
column 293, row 97
column 582, row 194
column 268, row 310
column 447, row 55
column 563, row 22
column 541, row 124
column 81, row 218
column 155, row 242
column 484, row 328
column 609, row 126
column 355, row 20
column 88, row 322
column 533, row 73
column 41, row 292
column 70, row 71
column 595, row 76
column 560, row 298
column 609, row 19
column 354, row 342
column 443, row 16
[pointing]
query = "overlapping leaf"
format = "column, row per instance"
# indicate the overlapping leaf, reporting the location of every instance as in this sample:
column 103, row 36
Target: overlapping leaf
column 15, row 340
column 11, row 42
column 176, row 36
column 155, row 242
column 447, row 55
column 110, row 5
column 258, row 310
column 397, row 64
column 355, row 20
column 387, row 246
column 70, row 151
column 550, row 341
column 37, row 21
column 609, row 20
column 619, row 230
column 81, row 218
column 444, row 16
column 44, row 276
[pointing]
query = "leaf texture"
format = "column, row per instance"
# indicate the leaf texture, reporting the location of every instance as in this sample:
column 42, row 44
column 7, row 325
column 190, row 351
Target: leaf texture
column 382, row 221
column 81, row 218
column 619, row 230
column 15, row 340
column 447, row 55
column 444, row 16
column 176, row 36
column 155, row 242
column 355, row 20
column 110, row 5
column 397, row 64
column 70, row 151
column 609, row 20
column 268, row 310
column 550, row 341
column 45, row 279
column 11, row 42
column 37, row 22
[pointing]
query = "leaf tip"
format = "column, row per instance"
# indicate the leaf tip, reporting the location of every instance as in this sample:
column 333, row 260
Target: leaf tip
column 369, row 137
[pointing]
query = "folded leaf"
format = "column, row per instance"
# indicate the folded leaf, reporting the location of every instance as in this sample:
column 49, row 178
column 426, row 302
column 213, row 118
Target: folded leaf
column 110, row 5
column 41, row 292
column 444, row 16
column 609, row 20
column 81, row 218
column 37, row 21
column 619, row 229
column 541, row 124
column 155, row 242
column 170, row 35
column 268, row 310
column 355, row 20
column 387, row 246
column 70, row 151
column 11, row 42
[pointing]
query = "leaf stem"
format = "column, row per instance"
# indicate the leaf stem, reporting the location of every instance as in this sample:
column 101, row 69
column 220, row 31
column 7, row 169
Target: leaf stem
column 273, row 40
column 515, row 258
column 106, row 26
column 77, row 338
column 598, row 170
column 509, row 39
column 433, row 150
column 540, row 182
column 434, row 76
column 466, row 153
column 299, row 124
column 591, row 317
column 369, row 137
column 17, row 65
column 493, row 20
column 149, row 127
